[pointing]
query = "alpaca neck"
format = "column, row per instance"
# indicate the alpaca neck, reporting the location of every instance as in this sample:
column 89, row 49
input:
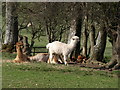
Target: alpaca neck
column 72, row 45
column 19, row 51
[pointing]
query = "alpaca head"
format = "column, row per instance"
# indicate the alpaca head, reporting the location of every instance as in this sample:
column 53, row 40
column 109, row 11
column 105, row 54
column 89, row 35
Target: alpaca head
column 75, row 39
column 19, row 45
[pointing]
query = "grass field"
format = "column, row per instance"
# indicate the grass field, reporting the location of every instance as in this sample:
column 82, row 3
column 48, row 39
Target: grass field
column 42, row 75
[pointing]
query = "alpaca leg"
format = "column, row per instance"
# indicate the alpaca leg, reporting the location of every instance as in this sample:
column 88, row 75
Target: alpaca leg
column 48, row 60
column 60, row 59
column 51, row 58
column 55, row 59
column 65, row 59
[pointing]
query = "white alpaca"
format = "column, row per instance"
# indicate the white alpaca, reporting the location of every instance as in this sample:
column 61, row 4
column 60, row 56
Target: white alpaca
column 44, row 57
column 60, row 48
column 41, row 57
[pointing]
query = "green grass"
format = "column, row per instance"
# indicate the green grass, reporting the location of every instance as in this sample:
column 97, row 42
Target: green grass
column 8, row 56
column 42, row 75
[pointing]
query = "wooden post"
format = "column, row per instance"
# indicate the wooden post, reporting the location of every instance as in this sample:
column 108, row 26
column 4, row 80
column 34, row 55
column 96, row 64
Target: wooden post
column 34, row 51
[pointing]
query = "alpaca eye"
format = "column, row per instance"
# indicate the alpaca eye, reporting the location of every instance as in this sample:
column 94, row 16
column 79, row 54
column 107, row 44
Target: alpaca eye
column 73, row 39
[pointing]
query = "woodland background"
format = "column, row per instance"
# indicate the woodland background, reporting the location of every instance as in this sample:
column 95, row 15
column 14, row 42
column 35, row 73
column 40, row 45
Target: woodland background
column 95, row 23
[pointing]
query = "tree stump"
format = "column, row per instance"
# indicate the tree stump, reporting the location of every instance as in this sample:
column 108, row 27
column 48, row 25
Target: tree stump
column 26, row 47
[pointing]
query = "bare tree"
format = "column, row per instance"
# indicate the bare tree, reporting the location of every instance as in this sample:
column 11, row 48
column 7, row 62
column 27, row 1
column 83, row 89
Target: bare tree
column 0, row 39
column 113, row 29
column 50, row 21
column 115, row 61
column 56, row 20
column 92, row 39
column 76, row 26
column 85, row 36
column 99, row 47
column 11, row 34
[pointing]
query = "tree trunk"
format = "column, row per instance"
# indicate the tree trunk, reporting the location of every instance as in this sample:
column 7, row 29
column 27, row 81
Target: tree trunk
column 48, row 31
column 11, row 34
column 115, row 61
column 72, row 31
column 26, row 49
column 75, row 30
column 92, row 39
column 99, row 48
column 26, row 46
column 85, row 37
column 0, row 39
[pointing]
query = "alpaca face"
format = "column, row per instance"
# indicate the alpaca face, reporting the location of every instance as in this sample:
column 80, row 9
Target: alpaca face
column 19, row 45
column 75, row 39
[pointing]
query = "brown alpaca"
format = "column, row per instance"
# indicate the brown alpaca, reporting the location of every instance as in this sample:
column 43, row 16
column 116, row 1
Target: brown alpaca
column 57, row 59
column 20, row 56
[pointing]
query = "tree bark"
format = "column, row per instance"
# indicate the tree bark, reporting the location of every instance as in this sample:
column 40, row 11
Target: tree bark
column 0, row 39
column 85, row 37
column 11, row 34
column 75, row 30
column 92, row 39
column 115, row 60
column 26, row 49
column 99, row 48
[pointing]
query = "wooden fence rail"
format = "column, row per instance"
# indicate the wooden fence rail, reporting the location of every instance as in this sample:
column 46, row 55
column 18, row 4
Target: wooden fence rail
column 39, row 50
